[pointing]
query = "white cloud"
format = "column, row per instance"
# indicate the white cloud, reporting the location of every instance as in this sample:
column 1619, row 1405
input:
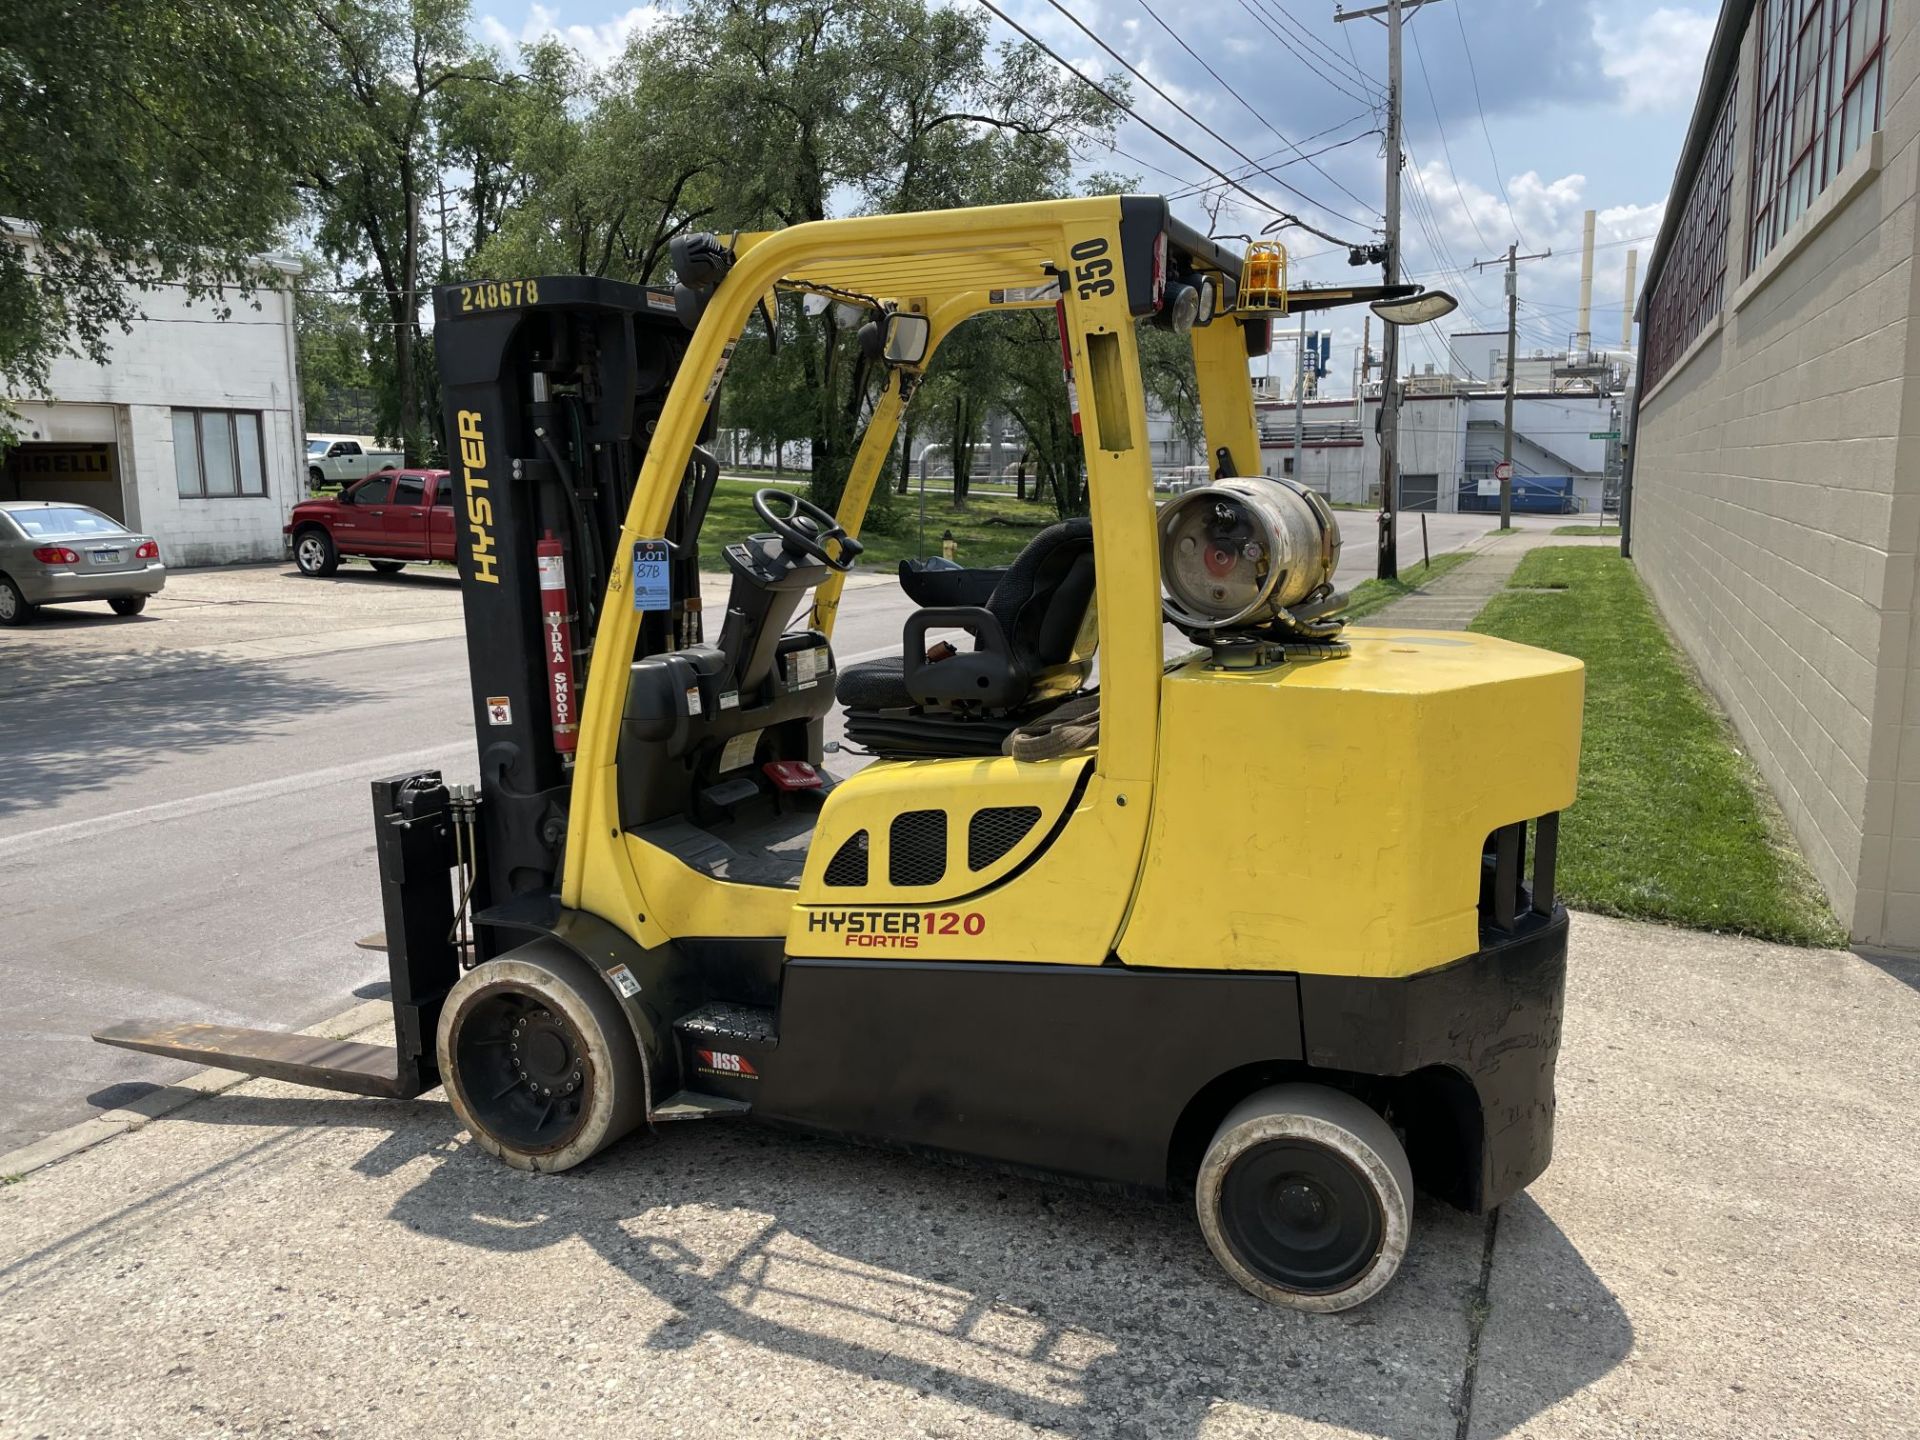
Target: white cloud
column 599, row 45
column 1656, row 62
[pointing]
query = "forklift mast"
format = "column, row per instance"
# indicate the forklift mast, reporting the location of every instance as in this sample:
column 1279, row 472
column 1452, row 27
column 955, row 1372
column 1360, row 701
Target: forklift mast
column 552, row 388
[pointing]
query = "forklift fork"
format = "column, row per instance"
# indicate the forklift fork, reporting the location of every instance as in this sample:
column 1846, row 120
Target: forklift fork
column 422, row 832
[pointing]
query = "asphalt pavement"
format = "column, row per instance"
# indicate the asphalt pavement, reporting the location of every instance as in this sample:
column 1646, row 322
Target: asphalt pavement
column 185, row 820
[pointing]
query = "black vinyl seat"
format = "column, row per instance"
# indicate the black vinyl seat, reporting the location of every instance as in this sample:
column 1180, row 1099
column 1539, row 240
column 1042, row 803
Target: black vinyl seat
column 1028, row 655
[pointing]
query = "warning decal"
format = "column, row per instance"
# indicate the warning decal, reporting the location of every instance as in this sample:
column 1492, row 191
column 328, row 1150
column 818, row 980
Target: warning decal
column 499, row 710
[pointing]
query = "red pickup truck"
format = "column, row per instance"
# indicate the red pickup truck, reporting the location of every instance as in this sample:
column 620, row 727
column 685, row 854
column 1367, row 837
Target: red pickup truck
column 389, row 518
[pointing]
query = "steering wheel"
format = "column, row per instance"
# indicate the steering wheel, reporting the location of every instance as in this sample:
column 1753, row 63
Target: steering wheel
column 805, row 528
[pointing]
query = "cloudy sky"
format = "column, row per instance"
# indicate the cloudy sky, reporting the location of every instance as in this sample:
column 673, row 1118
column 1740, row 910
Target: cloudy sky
column 1521, row 115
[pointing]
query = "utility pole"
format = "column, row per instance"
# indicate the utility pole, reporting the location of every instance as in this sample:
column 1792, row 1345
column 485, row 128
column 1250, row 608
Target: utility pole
column 1389, row 14
column 1513, row 325
column 1300, row 398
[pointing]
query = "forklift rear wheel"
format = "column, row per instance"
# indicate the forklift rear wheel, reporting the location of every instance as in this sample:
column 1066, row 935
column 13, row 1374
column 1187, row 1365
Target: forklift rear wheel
column 1305, row 1197
column 538, row 1060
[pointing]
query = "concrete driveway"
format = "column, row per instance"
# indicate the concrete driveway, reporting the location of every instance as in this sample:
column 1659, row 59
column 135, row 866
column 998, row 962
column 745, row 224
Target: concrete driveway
column 1723, row 1247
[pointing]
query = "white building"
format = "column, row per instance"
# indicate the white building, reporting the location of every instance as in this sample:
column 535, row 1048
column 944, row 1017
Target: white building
column 190, row 432
column 1451, row 437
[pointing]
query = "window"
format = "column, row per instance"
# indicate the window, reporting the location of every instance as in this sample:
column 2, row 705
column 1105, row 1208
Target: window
column 1819, row 99
column 410, row 490
column 1687, row 295
column 374, row 492
column 65, row 520
column 218, row 453
column 443, row 493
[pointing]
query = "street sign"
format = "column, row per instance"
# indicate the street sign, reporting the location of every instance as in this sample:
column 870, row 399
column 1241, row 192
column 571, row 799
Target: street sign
column 1604, row 435
column 1503, row 471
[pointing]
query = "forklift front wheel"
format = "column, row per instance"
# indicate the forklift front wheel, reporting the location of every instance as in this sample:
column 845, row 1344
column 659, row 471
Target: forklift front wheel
column 538, row 1060
column 1305, row 1197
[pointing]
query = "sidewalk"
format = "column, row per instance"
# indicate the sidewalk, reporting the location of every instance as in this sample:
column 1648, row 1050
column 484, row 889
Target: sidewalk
column 1451, row 602
column 1722, row 1247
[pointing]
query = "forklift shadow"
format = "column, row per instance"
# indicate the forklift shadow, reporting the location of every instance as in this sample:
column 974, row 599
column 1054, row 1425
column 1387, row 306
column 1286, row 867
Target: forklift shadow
column 1048, row 1305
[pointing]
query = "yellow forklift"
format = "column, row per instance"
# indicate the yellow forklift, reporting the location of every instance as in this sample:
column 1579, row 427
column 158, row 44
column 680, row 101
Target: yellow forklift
column 1271, row 922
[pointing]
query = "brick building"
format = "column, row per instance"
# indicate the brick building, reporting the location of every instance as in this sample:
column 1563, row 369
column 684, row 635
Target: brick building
column 1773, row 501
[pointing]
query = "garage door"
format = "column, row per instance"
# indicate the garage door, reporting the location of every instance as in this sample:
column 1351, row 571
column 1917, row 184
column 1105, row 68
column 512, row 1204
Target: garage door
column 89, row 474
column 1419, row 492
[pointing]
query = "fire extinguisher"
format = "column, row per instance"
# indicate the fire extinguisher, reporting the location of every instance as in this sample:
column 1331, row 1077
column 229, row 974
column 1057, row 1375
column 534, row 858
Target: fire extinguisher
column 557, row 628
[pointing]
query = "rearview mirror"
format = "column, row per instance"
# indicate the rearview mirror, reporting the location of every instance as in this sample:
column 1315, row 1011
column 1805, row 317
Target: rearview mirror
column 907, row 337
column 1416, row 309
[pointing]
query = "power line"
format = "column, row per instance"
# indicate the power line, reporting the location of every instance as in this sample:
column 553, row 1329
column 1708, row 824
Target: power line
column 1323, row 150
column 1354, row 56
column 1295, row 24
column 1433, row 104
column 1114, row 100
column 1499, row 174
column 1249, row 108
column 1316, row 67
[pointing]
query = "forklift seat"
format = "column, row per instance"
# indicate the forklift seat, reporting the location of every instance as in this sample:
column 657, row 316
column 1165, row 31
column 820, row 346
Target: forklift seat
column 1028, row 655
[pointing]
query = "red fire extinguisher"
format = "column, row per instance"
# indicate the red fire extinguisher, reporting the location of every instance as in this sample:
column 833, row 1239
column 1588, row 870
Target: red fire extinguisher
column 557, row 625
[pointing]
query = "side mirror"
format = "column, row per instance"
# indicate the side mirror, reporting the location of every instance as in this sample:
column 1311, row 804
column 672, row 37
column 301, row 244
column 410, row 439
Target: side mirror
column 1416, row 309
column 907, row 337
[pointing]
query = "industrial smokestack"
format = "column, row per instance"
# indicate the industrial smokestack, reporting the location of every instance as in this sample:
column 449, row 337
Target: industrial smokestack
column 1583, row 333
column 1626, row 313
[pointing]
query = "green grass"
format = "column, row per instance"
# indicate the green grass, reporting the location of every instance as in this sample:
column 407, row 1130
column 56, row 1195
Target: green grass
column 990, row 531
column 1586, row 530
column 1673, row 824
column 1371, row 595
column 1504, row 530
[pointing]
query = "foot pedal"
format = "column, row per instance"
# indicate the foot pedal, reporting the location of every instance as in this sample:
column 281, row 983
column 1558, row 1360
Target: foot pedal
column 724, row 1020
column 692, row 1105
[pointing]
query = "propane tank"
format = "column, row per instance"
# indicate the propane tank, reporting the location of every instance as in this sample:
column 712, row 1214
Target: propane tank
column 1239, row 553
column 557, row 628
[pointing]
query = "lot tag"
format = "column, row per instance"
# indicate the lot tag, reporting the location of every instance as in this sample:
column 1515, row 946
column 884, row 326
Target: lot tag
column 652, row 585
column 623, row 981
column 739, row 750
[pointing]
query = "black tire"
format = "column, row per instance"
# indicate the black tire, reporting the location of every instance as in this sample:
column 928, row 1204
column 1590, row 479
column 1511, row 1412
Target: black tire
column 389, row 567
column 538, row 1059
column 14, row 609
column 313, row 552
column 128, row 604
column 1306, row 1198
column 316, row 477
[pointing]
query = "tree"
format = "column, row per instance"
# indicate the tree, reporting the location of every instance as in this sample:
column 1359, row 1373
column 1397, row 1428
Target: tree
column 390, row 61
column 1035, row 395
column 148, row 143
column 756, row 114
column 336, row 377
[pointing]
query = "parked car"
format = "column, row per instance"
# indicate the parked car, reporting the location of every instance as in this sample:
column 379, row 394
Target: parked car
column 53, row 552
column 389, row 518
column 341, row 462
